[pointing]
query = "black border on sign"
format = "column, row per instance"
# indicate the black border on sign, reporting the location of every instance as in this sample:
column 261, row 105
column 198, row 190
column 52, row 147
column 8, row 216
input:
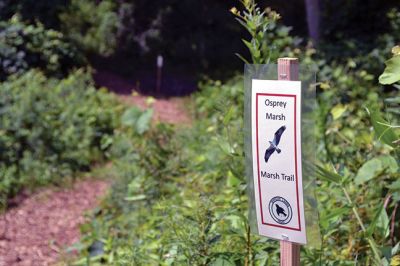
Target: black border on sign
column 295, row 158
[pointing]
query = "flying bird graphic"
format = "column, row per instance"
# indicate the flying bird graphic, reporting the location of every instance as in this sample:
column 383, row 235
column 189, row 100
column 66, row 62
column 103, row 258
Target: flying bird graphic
column 280, row 210
column 274, row 144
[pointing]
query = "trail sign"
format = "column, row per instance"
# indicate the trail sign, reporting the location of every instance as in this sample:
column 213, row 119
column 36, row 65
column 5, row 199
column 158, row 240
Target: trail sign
column 277, row 167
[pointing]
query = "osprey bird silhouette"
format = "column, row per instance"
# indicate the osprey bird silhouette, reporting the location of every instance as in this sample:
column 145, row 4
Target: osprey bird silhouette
column 280, row 210
column 274, row 144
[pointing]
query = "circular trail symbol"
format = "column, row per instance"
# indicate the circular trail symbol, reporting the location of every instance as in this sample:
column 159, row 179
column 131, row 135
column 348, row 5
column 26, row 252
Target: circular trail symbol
column 280, row 210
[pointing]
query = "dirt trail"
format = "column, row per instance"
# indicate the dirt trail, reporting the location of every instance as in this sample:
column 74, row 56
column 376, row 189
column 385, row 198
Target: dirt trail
column 37, row 230
column 168, row 111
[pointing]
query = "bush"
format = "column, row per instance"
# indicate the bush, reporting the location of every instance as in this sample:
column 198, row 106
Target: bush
column 24, row 46
column 93, row 32
column 51, row 128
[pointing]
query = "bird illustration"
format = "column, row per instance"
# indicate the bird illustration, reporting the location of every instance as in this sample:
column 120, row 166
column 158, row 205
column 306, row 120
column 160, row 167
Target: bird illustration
column 274, row 144
column 280, row 210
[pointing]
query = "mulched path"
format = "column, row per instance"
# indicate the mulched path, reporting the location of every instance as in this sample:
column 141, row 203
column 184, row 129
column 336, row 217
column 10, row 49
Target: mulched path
column 38, row 230
column 168, row 111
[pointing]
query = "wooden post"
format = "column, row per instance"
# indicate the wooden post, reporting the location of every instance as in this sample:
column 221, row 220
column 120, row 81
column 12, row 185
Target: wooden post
column 288, row 69
column 160, row 62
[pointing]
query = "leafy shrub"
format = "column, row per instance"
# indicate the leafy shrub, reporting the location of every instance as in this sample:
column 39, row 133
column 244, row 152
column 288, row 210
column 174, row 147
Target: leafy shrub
column 24, row 46
column 51, row 128
column 92, row 25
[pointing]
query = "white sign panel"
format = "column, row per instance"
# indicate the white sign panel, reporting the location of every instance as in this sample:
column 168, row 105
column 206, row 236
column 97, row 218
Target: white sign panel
column 277, row 168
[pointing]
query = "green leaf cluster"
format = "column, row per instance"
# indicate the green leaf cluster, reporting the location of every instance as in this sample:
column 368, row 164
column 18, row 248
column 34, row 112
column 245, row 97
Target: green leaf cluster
column 25, row 46
column 268, row 38
column 92, row 25
column 51, row 128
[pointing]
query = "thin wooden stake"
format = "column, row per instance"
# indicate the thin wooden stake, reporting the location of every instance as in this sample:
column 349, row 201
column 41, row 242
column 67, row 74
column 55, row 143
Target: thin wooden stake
column 160, row 62
column 288, row 69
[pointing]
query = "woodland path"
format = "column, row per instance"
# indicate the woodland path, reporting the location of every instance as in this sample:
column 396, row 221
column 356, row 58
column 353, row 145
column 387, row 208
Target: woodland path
column 39, row 228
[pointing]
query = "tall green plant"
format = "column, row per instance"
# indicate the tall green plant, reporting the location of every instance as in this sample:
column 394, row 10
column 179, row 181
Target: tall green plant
column 258, row 23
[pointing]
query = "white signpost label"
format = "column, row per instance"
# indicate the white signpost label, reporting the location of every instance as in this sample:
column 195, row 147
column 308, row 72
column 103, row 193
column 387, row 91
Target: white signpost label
column 277, row 168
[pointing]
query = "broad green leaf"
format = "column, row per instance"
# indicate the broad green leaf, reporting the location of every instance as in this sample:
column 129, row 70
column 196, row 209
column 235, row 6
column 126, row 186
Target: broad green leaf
column 383, row 131
column 391, row 74
column 338, row 110
column 380, row 221
column 383, row 223
column 139, row 120
column 130, row 116
column 232, row 181
column 144, row 121
column 395, row 186
column 374, row 167
column 396, row 248
column 368, row 170
column 389, row 163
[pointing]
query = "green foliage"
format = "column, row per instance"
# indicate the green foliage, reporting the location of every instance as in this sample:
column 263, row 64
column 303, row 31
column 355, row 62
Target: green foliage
column 92, row 25
column 261, row 25
column 374, row 167
column 24, row 46
column 51, row 128
column 384, row 130
column 365, row 184
column 138, row 120
column 180, row 198
column 392, row 71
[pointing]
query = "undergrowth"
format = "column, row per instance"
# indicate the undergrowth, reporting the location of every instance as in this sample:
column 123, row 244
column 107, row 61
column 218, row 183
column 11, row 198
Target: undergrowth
column 180, row 198
column 51, row 128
